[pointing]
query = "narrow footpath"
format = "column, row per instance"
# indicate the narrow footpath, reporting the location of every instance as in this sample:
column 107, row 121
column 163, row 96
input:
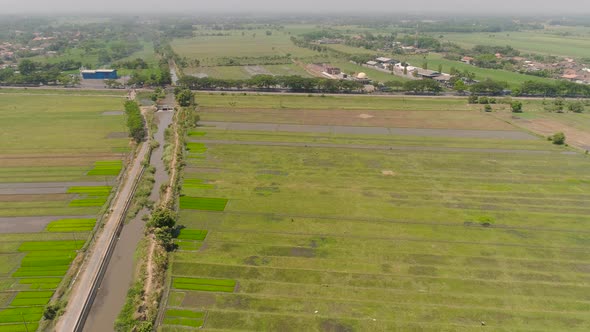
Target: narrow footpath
column 119, row 275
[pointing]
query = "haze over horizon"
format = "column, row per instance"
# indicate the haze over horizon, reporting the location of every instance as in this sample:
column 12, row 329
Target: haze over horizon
column 299, row 7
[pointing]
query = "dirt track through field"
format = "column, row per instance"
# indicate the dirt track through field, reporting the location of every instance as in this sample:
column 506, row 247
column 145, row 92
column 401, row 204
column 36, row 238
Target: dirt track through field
column 30, row 224
column 376, row 147
column 357, row 130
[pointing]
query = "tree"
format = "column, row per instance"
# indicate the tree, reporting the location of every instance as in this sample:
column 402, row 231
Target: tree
column 576, row 106
column 460, row 86
column 558, row 139
column 162, row 218
column 185, row 98
column 516, row 106
column 26, row 67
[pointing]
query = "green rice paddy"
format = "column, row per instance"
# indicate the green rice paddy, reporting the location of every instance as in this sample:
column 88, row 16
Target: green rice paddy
column 91, row 196
column 188, row 318
column 192, row 234
column 111, row 168
column 71, row 225
column 203, row 284
column 203, row 203
column 196, row 147
column 196, row 184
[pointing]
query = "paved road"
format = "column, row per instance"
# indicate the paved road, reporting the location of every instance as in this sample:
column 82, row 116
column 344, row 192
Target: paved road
column 83, row 285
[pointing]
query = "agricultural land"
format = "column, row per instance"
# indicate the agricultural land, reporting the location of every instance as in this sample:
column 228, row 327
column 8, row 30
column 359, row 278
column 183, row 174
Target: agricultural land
column 59, row 164
column 341, row 214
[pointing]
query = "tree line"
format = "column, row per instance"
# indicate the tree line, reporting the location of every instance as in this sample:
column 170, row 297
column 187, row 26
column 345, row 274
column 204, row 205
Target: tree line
column 292, row 83
column 135, row 121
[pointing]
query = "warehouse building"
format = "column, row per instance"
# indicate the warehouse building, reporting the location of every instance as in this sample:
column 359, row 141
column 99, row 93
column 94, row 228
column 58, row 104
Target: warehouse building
column 99, row 74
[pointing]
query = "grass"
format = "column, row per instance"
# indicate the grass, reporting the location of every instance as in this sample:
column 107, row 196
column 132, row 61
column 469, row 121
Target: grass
column 422, row 239
column 203, row 203
column 542, row 42
column 196, row 184
column 71, row 225
column 202, row 284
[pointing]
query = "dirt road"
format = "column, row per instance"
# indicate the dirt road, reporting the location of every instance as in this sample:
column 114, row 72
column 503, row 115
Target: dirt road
column 83, row 287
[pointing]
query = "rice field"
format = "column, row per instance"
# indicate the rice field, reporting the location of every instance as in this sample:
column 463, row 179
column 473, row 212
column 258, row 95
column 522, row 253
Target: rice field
column 347, row 236
column 203, row 203
column 59, row 161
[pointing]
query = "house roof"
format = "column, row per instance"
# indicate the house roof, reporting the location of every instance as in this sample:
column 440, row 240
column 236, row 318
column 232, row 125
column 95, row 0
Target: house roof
column 371, row 63
column 383, row 59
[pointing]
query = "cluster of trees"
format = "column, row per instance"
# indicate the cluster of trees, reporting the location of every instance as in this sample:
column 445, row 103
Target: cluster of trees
column 560, row 105
column 137, row 63
column 553, row 89
column 118, row 49
column 157, row 76
column 489, row 87
column 163, row 224
column 31, row 72
column 292, row 83
column 252, row 61
column 184, row 97
column 416, row 86
column 135, row 122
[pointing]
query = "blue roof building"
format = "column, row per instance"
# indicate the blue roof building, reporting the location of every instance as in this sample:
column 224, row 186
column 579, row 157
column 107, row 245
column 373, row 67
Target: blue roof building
column 99, row 74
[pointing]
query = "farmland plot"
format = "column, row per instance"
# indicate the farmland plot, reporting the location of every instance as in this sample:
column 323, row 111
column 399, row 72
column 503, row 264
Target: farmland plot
column 334, row 236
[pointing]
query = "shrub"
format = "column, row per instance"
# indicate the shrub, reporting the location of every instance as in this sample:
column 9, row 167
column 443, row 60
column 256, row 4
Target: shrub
column 473, row 99
column 516, row 106
column 487, row 108
column 558, row 139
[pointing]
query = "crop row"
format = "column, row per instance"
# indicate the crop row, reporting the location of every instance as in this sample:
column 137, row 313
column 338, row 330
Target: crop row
column 196, row 184
column 48, row 246
column 194, row 133
column 192, row 234
column 196, row 147
column 25, row 299
column 40, row 283
column 90, row 190
column 20, row 315
column 203, row 284
column 88, row 202
column 188, row 318
column 71, row 225
column 203, row 203
column 111, row 168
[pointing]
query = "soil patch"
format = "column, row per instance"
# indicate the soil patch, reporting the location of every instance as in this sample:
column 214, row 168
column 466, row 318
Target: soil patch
column 302, row 252
column 547, row 127
column 365, row 130
column 35, row 188
column 387, row 172
column 29, row 224
column 197, row 300
column 335, row 326
column 257, row 70
column 366, row 116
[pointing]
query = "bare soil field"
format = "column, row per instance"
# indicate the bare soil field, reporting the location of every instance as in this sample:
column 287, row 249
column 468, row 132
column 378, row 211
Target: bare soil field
column 15, row 160
column 392, row 118
column 356, row 130
column 547, row 127
column 31, row 188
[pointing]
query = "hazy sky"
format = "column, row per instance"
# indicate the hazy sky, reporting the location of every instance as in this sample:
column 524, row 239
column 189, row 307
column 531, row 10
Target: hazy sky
column 301, row 6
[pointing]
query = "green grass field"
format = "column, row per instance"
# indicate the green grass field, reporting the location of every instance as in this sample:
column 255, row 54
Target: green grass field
column 60, row 137
column 365, row 239
column 541, row 42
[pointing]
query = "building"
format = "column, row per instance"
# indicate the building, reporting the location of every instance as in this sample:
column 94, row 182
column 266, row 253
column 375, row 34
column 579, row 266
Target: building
column 384, row 60
column 99, row 74
column 332, row 70
column 467, row 59
column 372, row 63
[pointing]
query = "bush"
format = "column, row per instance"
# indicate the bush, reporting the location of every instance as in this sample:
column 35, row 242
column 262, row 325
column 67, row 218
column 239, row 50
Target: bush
column 576, row 106
column 487, row 108
column 516, row 106
column 162, row 218
column 473, row 99
column 558, row 139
